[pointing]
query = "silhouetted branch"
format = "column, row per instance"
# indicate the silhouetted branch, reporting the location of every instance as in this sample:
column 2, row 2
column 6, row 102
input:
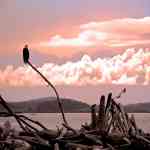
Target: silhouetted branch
column 52, row 86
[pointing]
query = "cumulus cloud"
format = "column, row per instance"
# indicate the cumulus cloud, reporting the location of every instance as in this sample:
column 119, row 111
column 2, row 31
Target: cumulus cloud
column 130, row 67
column 110, row 34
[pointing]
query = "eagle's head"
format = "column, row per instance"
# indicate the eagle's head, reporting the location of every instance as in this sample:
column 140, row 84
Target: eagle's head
column 26, row 46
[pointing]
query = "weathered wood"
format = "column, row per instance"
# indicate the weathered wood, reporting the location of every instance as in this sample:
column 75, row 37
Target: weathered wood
column 33, row 121
column 132, row 119
column 48, row 134
column 93, row 116
column 33, row 141
column 93, row 139
column 111, row 129
column 108, row 114
column 124, row 120
column 101, row 114
column 5, row 105
column 108, row 104
column 81, row 146
column 56, row 146
column 70, row 128
column 128, row 121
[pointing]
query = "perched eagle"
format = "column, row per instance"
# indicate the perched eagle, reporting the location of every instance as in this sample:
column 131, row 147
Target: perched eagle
column 25, row 54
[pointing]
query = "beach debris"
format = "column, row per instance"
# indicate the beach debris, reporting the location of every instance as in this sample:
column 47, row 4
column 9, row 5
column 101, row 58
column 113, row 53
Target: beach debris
column 110, row 128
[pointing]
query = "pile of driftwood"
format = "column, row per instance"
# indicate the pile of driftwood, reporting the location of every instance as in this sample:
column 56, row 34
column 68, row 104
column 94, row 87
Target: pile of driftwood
column 111, row 128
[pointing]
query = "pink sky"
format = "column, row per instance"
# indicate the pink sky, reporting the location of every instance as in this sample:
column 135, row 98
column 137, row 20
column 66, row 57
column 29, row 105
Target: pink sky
column 127, row 63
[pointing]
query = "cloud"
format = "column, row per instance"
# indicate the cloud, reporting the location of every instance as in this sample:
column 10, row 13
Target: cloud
column 123, row 32
column 130, row 67
column 110, row 34
column 84, row 39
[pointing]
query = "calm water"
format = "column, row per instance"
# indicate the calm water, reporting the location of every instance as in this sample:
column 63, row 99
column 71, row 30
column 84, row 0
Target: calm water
column 51, row 120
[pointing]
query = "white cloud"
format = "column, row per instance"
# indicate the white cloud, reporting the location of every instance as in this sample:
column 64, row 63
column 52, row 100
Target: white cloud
column 84, row 39
column 131, row 67
column 112, row 33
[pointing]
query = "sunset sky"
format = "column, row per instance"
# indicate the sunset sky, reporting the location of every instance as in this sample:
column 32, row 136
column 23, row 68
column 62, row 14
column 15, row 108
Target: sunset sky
column 84, row 47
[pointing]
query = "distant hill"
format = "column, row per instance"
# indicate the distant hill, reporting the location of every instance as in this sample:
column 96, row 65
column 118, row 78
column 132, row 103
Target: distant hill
column 48, row 105
column 138, row 108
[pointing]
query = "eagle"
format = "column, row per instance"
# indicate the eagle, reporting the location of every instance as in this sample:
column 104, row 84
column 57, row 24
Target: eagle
column 25, row 54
